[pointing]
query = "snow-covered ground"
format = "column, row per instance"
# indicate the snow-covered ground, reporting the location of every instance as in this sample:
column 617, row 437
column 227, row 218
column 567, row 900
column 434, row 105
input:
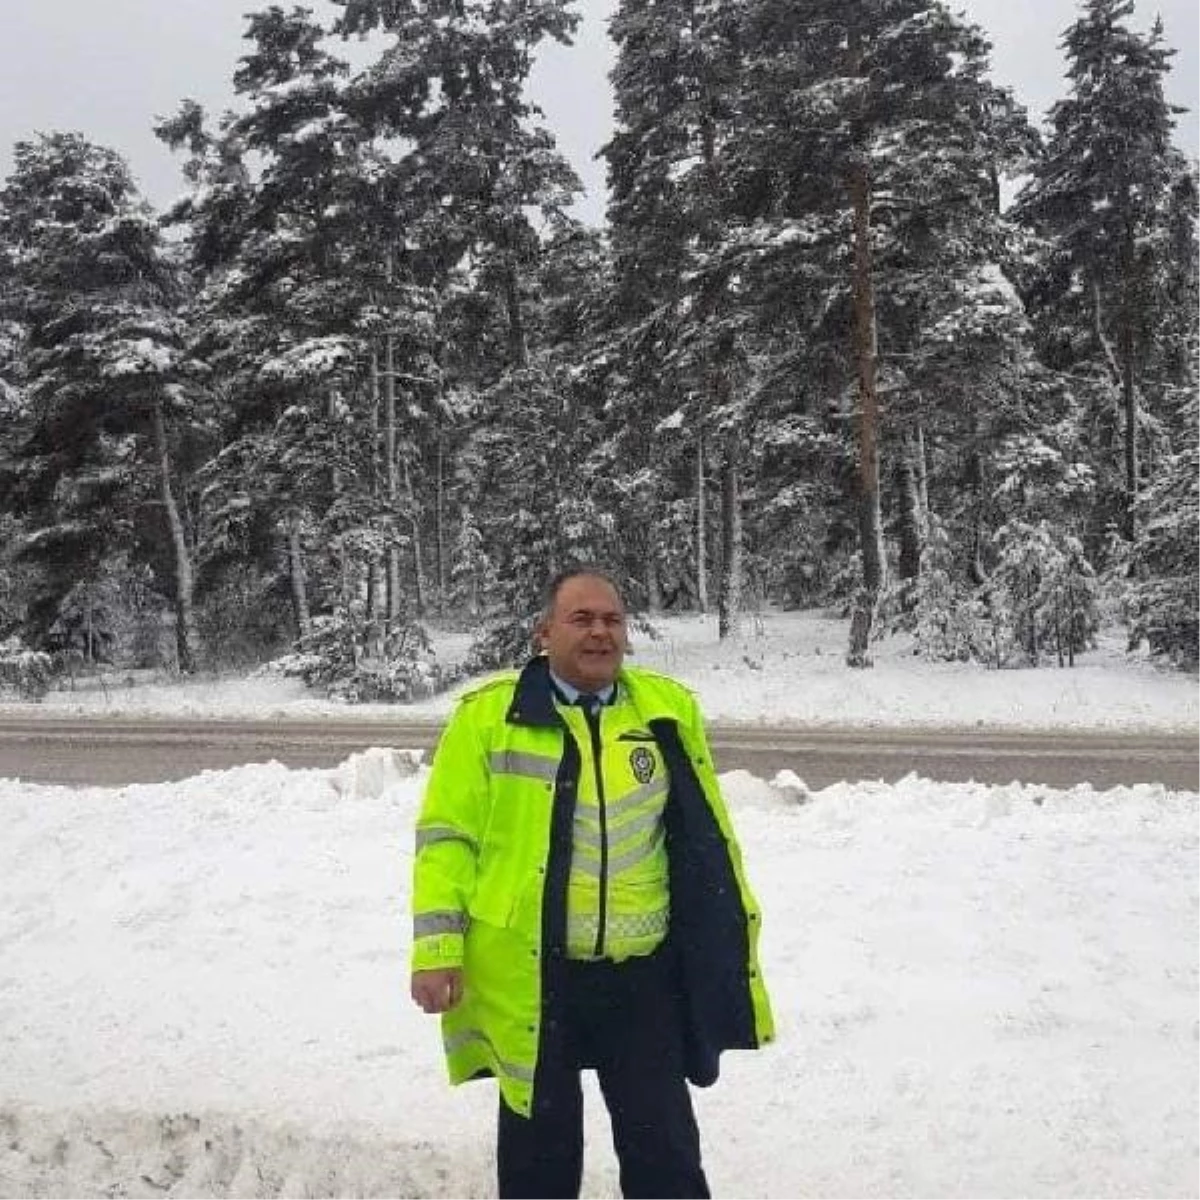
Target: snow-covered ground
column 782, row 668
column 979, row 992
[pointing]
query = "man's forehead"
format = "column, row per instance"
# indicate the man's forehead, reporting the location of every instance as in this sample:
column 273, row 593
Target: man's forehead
column 588, row 591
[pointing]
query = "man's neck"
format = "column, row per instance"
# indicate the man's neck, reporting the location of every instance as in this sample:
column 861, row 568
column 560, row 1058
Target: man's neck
column 571, row 693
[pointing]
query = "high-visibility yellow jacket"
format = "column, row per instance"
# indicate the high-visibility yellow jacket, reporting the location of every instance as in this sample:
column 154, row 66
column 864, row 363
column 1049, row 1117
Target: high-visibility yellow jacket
column 493, row 865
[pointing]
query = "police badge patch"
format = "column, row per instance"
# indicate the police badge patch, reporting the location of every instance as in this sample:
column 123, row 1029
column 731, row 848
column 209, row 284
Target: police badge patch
column 642, row 762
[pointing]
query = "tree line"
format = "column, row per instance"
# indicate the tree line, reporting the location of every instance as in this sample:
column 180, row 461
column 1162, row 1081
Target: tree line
column 855, row 333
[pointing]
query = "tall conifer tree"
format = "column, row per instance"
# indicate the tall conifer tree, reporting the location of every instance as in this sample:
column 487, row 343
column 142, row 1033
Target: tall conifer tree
column 1099, row 198
column 867, row 168
column 104, row 371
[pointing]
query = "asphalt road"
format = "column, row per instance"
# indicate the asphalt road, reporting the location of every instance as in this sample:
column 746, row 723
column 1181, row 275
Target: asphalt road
column 46, row 749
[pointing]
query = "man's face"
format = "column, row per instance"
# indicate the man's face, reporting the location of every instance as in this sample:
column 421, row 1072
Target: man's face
column 584, row 635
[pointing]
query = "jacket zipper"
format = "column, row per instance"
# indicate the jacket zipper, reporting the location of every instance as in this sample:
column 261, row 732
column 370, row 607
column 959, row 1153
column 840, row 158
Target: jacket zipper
column 593, row 721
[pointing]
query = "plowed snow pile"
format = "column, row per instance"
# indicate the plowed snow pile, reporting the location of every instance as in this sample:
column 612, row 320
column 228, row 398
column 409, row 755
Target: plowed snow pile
column 979, row 991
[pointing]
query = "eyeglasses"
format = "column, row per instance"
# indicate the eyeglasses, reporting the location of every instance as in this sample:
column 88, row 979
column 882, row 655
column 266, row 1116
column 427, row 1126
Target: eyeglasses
column 584, row 620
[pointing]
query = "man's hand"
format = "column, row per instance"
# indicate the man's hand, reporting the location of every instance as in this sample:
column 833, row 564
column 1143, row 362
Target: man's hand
column 438, row 991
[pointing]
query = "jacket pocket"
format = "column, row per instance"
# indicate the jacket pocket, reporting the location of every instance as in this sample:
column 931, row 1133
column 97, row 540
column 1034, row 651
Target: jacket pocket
column 493, row 901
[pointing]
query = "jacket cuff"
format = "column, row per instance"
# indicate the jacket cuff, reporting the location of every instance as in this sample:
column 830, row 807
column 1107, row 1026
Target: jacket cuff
column 437, row 952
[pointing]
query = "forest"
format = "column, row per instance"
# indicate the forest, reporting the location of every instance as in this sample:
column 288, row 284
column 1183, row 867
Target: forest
column 857, row 334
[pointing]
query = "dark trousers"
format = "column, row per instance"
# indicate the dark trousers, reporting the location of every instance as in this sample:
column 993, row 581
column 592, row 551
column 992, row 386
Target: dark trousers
column 622, row 1019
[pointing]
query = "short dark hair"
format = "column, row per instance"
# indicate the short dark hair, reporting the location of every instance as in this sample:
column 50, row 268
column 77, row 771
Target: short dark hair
column 550, row 594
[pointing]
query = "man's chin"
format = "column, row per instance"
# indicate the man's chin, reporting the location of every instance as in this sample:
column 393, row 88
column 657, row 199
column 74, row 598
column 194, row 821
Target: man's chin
column 598, row 672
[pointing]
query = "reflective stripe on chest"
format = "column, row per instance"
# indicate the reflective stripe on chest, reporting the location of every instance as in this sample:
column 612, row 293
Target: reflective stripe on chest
column 617, row 897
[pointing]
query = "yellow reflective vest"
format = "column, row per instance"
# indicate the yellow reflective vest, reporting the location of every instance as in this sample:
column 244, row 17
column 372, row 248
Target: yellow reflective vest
column 492, row 874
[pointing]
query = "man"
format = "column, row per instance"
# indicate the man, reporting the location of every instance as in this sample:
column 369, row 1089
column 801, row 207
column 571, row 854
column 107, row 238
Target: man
column 579, row 902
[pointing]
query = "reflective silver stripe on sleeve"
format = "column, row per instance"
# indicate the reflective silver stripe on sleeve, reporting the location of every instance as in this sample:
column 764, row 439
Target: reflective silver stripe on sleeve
column 442, row 833
column 464, row 1037
column 532, row 766
column 430, row 924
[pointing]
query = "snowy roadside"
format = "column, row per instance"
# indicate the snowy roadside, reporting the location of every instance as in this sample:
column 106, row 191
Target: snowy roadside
column 783, row 668
column 979, row 991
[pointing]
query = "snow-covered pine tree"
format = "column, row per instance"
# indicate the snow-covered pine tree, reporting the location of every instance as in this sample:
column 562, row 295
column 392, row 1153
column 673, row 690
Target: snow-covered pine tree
column 538, row 469
column 13, row 415
column 1162, row 600
column 1041, row 591
column 450, row 82
column 979, row 391
column 471, row 573
column 949, row 618
column 104, row 373
column 294, row 289
column 1163, row 597
column 871, row 144
column 296, row 268
column 679, row 362
column 1098, row 199
column 1071, row 610
column 1171, row 375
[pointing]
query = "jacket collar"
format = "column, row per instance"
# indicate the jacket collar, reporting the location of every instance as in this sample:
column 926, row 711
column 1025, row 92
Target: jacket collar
column 533, row 697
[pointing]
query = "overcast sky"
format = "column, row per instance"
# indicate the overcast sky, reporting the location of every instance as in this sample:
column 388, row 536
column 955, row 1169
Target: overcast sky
column 108, row 67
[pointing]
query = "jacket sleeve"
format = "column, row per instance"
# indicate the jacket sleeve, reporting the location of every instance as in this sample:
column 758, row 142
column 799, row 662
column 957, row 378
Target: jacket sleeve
column 696, row 740
column 449, row 832
column 701, row 754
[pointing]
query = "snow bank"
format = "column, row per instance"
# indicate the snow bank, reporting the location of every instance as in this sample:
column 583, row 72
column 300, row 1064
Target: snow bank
column 782, row 668
column 979, row 991
column 112, row 1153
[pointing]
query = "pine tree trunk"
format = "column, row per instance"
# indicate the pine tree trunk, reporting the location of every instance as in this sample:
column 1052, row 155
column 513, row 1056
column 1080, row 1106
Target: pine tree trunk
column 729, row 598
column 1072, row 623
column 374, row 590
column 347, row 569
column 922, row 481
column 1128, row 389
column 186, row 641
column 299, row 580
column 335, row 475
column 912, row 518
column 1031, row 614
column 439, row 519
column 653, row 582
column 1129, row 396
column 701, row 523
column 706, row 110
column 418, row 553
column 391, row 474
column 974, row 472
column 870, row 521
column 1058, row 632
column 518, row 349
